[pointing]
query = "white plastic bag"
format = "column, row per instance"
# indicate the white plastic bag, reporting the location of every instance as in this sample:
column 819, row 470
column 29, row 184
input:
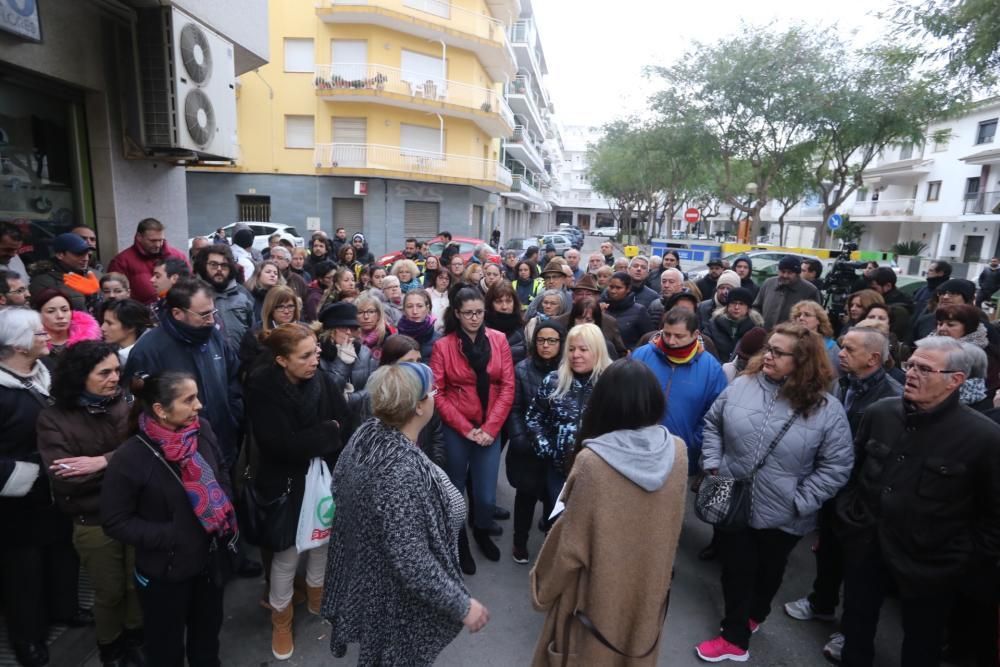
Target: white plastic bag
column 316, row 515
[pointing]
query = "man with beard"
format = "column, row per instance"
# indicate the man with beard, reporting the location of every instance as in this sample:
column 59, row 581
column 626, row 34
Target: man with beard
column 691, row 378
column 594, row 262
column 234, row 303
column 88, row 235
column 778, row 294
column 921, row 513
column 339, row 239
column 13, row 291
column 10, row 245
column 138, row 260
column 68, row 273
column 706, row 284
column 362, row 254
column 727, row 281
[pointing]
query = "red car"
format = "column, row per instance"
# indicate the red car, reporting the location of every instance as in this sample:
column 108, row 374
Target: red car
column 465, row 247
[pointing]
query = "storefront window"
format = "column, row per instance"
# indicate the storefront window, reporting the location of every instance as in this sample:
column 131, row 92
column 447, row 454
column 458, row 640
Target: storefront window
column 39, row 160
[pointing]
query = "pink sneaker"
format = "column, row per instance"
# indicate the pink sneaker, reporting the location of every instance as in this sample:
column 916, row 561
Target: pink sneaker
column 718, row 649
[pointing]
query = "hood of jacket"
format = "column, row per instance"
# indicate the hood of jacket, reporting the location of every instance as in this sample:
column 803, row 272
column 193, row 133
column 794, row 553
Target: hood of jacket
column 39, row 377
column 755, row 317
column 645, row 456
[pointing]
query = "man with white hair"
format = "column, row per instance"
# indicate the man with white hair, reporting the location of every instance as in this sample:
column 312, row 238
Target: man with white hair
column 655, row 268
column 594, row 262
column 572, row 257
column 921, row 514
column 282, row 256
column 638, row 269
column 671, row 283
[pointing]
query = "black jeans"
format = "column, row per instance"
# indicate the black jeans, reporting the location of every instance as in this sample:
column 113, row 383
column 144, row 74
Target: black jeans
column 524, row 514
column 825, row 594
column 39, row 585
column 753, row 564
column 924, row 619
column 170, row 609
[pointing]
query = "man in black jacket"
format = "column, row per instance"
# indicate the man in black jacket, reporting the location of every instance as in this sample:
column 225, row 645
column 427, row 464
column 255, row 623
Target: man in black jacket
column 922, row 510
column 900, row 305
column 864, row 381
column 989, row 281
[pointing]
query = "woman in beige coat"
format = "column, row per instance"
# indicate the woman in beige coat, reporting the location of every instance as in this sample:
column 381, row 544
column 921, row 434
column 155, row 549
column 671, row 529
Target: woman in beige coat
column 624, row 503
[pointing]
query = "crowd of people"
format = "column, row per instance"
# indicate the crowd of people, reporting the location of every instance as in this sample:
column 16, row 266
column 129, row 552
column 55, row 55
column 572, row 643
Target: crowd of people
column 166, row 420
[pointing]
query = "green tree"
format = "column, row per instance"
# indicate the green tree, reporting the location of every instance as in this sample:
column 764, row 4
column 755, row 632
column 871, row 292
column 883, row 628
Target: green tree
column 849, row 231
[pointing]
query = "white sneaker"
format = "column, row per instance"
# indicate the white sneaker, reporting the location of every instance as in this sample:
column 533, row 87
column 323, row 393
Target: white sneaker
column 834, row 647
column 802, row 610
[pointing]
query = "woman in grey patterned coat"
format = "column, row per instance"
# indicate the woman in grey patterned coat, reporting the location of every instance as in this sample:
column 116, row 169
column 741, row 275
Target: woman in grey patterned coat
column 393, row 582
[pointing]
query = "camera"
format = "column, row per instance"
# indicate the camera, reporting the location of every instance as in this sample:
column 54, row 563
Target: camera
column 839, row 282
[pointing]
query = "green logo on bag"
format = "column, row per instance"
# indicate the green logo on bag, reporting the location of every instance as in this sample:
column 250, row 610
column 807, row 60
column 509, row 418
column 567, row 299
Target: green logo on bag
column 324, row 511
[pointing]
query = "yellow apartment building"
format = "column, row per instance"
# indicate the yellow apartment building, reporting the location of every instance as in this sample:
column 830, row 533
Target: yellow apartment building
column 389, row 117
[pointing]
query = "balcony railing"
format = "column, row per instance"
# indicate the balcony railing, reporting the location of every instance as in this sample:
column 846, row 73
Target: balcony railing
column 523, row 32
column 438, row 11
column 382, row 78
column 884, row 207
column 522, row 184
column 521, row 85
column 983, row 203
column 522, row 137
column 395, row 158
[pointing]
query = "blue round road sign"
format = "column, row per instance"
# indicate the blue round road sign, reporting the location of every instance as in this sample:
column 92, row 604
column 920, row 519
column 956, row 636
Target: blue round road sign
column 834, row 221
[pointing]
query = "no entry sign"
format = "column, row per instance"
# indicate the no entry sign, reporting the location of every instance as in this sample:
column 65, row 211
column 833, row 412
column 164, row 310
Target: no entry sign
column 692, row 215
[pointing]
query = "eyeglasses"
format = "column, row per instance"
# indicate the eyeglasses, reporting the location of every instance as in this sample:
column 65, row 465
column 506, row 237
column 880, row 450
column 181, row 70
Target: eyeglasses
column 546, row 341
column 205, row 317
column 19, row 290
column 775, row 352
column 285, row 306
column 216, row 265
column 922, row 370
column 367, row 313
column 471, row 314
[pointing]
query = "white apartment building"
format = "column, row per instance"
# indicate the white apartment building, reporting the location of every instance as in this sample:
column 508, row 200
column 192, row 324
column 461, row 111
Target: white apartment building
column 578, row 203
column 944, row 194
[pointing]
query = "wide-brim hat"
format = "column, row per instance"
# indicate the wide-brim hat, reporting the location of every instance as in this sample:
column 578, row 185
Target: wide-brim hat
column 587, row 283
column 340, row 314
column 556, row 265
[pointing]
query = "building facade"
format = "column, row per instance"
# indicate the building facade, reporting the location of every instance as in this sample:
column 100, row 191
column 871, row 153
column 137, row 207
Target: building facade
column 386, row 117
column 72, row 115
column 579, row 204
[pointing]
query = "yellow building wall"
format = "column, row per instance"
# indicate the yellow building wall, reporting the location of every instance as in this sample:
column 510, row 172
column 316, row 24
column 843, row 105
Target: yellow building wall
column 268, row 95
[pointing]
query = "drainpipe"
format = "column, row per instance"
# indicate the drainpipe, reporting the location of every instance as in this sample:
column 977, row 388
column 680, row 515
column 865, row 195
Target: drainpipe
column 444, row 61
column 441, row 134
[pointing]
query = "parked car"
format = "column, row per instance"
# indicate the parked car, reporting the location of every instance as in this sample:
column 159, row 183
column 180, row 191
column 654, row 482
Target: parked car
column 699, row 271
column 604, row 231
column 262, row 232
column 520, row 245
column 562, row 242
column 575, row 233
column 466, row 246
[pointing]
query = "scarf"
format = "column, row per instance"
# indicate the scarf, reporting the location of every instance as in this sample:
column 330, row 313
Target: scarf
column 507, row 323
column 185, row 332
column 373, row 341
column 972, row 391
column 208, row 499
column 979, row 337
column 478, row 354
column 679, row 355
column 419, row 331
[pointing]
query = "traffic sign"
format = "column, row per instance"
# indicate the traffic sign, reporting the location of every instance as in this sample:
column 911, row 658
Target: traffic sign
column 692, row 215
column 834, row 221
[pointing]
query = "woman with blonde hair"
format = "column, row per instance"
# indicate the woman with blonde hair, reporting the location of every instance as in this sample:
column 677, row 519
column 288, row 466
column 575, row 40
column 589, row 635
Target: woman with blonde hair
column 374, row 327
column 858, row 304
column 473, row 276
column 407, row 273
column 267, row 276
column 281, row 306
column 343, row 280
column 556, row 410
column 776, row 427
column 813, row 317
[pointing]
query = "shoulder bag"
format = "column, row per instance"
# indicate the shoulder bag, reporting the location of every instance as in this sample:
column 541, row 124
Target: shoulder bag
column 271, row 524
column 724, row 501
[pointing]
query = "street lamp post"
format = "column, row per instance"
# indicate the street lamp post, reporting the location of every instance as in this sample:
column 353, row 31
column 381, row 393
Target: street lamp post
column 745, row 225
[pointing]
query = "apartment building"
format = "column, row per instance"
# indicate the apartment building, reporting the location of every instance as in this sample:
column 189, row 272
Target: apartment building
column 578, row 204
column 945, row 194
column 92, row 122
column 394, row 118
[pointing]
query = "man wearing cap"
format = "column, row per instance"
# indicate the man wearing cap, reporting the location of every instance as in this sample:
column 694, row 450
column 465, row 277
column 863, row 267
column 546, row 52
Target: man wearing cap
column 706, row 285
column 138, row 260
column 556, row 277
column 587, row 286
column 727, row 280
column 671, row 283
column 361, row 252
column 778, row 294
column 68, row 273
column 242, row 242
column 953, row 292
column 638, row 269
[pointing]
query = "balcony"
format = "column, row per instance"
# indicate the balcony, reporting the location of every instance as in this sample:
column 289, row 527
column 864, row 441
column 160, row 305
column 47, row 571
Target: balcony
column 983, row 203
column 883, row 208
column 988, row 156
column 897, row 172
column 523, row 101
column 360, row 82
column 433, row 20
column 524, row 39
column 522, row 148
column 412, row 165
column 527, row 192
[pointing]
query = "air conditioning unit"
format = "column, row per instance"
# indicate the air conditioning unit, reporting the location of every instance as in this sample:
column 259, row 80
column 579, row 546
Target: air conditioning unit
column 188, row 82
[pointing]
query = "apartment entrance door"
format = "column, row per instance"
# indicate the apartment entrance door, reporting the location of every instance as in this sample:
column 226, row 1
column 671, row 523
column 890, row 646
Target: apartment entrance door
column 973, row 249
column 583, row 221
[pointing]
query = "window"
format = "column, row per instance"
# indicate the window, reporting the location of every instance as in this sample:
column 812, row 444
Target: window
column 906, row 151
column 987, row 130
column 972, row 188
column 298, row 131
column 933, row 190
column 424, row 74
column 436, row 7
column 349, row 58
column 419, row 140
column 253, row 207
column 299, row 55
column 941, row 142
column 349, row 213
column 862, row 194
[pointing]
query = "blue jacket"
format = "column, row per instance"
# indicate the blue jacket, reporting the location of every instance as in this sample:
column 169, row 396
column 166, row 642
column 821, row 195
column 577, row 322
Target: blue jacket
column 690, row 391
column 215, row 368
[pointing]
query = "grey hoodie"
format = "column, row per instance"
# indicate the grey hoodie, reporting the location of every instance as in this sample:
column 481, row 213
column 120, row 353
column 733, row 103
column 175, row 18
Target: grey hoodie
column 645, row 456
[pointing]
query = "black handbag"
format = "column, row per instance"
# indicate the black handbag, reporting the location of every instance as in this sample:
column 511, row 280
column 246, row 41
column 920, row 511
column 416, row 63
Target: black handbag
column 264, row 523
column 725, row 502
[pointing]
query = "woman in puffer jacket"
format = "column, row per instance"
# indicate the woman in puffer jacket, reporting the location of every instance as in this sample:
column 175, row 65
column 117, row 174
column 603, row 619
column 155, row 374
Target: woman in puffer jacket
column 343, row 356
column 525, row 470
column 781, row 400
column 556, row 410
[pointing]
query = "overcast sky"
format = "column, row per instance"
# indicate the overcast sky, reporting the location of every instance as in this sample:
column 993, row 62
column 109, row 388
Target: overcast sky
column 596, row 50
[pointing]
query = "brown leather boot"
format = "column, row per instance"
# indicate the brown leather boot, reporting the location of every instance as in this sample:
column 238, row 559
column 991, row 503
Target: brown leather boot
column 282, row 645
column 315, row 595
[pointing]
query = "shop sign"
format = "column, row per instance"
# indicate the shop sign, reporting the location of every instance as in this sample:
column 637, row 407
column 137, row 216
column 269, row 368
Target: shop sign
column 21, row 18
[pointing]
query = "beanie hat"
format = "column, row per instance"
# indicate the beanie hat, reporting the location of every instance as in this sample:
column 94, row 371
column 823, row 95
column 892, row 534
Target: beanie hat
column 243, row 238
column 741, row 294
column 966, row 288
column 751, row 343
column 728, row 277
column 358, row 236
column 790, row 263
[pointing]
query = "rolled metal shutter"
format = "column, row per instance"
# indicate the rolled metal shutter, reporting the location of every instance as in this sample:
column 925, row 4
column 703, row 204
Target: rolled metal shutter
column 421, row 219
column 349, row 213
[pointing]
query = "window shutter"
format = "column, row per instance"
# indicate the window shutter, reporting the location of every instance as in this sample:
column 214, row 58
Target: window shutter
column 421, row 219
